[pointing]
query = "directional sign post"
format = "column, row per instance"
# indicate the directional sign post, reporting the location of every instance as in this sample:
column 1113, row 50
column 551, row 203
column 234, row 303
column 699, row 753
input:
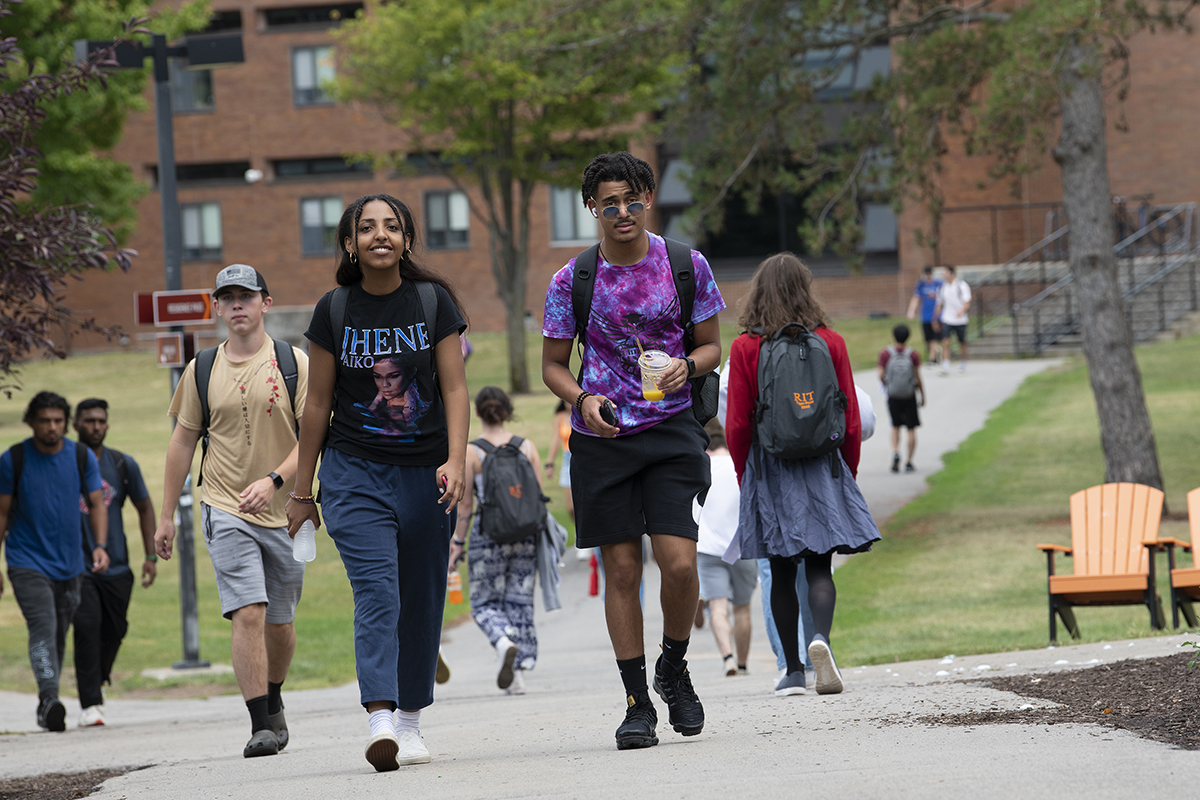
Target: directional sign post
column 183, row 308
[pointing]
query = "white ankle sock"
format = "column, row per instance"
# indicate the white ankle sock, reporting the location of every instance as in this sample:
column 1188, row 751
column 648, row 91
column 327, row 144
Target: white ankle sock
column 408, row 721
column 381, row 722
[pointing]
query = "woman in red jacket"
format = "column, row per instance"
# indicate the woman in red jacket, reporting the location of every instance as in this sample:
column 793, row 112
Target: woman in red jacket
column 795, row 510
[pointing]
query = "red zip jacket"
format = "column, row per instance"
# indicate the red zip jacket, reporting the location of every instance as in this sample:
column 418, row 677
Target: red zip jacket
column 743, row 389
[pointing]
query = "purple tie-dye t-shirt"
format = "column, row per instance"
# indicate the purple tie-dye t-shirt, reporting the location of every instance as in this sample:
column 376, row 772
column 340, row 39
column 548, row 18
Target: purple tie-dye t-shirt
column 630, row 305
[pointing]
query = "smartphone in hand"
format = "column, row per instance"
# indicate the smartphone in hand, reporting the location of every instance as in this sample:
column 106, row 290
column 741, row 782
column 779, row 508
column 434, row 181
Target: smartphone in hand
column 608, row 413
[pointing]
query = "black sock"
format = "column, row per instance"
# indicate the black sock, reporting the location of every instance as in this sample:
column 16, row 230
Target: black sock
column 674, row 651
column 259, row 718
column 633, row 674
column 274, row 697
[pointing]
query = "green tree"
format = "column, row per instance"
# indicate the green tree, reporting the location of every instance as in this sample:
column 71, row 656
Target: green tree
column 80, row 126
column 507, row 94
column 1015, row 81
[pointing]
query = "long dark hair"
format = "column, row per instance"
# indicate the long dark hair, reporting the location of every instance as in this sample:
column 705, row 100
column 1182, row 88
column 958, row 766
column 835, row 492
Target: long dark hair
column 780, row 292
column 349, row 271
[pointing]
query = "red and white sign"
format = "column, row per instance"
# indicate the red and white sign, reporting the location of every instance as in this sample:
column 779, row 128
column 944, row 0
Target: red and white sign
column 170, row 349
column 183, row 308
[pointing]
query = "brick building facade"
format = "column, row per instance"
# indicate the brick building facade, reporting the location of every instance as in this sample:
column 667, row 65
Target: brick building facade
column 269, row 115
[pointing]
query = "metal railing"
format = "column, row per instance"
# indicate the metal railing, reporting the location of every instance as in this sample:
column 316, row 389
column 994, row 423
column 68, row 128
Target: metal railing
column 1034, row 291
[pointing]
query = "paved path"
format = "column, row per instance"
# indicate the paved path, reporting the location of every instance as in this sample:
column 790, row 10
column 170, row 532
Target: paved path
column 557, row 740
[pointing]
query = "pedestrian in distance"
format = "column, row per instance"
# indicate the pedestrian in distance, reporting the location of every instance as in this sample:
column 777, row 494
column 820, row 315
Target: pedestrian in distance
column 951, row 316
column 502, row 562
column 101, row 620
column 900, row 374
column 387, row 493
column 637, row 449
column 924, row 299
column 725, row 588
column 796, row 510
column 43, row 482
column 249, row 460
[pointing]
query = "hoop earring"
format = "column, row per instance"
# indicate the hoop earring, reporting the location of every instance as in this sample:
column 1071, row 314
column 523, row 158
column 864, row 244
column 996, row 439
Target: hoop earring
column 353, row 257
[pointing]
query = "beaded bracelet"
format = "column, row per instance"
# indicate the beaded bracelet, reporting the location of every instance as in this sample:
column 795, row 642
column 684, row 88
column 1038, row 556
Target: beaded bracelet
column 579, row 401
column 307, row 499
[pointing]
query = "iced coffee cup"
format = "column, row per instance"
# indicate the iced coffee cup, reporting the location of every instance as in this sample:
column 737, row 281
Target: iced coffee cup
column 653, row 364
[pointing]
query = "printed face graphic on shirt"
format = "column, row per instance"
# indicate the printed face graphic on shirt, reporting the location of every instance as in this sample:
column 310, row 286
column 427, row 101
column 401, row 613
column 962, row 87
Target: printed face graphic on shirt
column 635, row 332
column 397, row 407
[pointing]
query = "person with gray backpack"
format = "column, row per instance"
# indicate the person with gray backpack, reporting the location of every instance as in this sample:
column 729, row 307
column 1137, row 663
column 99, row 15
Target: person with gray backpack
column 793, row 428
column 504, row 472
column 900, row 373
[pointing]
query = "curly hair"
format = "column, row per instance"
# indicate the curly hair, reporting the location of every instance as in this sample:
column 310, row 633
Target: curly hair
column 349, row 270
column 780, row 292
column 617, row 167
column 45, row 400
column 493, row 405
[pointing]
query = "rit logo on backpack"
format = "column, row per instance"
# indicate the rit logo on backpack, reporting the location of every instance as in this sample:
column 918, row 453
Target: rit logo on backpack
column 512, row 507
column 803, row 399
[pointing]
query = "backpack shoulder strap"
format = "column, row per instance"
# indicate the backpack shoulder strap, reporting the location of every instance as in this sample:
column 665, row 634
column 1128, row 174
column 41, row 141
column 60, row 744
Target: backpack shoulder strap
column 484, row 445
column 516, row 442
column 680, row 256
column 427, row 292
column 17, row 451
column 204, row 367
column 583, row 283
column 81, row 461
column 122, row 468
column 285, row 357
column 338, row 299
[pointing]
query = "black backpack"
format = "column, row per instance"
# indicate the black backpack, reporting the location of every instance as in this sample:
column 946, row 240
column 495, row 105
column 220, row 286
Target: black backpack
column 800, row 411
column 284, row 357
column 17, row 453
column 513, row 506
column 705, row 388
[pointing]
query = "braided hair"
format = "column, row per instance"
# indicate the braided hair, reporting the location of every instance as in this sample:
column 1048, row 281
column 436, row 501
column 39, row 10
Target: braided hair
column 617, row 167
column 349, row 270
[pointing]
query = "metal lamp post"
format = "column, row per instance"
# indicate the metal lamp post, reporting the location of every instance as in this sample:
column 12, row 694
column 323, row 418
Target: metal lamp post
column 200, row 52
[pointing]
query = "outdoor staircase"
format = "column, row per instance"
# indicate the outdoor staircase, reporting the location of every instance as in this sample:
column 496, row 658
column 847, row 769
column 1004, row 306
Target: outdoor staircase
column 1029, row 307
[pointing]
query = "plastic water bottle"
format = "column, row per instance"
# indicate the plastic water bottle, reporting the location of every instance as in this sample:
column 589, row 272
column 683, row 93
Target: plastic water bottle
column 304, row 546
column 454, row 587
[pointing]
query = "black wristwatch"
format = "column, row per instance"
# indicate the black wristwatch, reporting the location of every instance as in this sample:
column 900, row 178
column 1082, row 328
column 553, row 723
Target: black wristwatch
column 691, row 366
column 278, row 481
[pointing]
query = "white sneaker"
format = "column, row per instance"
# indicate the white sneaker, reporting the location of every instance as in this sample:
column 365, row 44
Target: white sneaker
column 412, row 749
column 506, row 655
column 381, row 752
column 518, row 683
column 583, row 553
column 92, row 717
column 829, row 677
column 945, row 366
column 730, row 666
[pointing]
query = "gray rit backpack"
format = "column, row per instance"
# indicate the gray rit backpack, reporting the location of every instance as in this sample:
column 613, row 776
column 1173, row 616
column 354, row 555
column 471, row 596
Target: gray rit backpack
column 898, row 374
column 800, row 411
column 512, row 507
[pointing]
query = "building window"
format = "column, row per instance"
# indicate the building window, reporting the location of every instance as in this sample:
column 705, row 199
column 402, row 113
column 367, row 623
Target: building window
column 317, row 167
column 447, row 219
column 318, row 225
column 191, row 89
column 570, row 219
column 201, row 231
column 310, row 16
column 312, row 69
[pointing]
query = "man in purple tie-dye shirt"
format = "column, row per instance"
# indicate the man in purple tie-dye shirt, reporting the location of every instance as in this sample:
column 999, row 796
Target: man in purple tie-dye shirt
column 639, row 476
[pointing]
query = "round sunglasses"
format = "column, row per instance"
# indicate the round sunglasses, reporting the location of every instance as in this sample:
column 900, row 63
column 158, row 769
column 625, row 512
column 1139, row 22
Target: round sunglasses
column 612, row 212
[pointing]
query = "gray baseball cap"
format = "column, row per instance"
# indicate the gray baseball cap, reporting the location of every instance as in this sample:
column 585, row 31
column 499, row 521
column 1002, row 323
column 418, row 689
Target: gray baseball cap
column 243, row 276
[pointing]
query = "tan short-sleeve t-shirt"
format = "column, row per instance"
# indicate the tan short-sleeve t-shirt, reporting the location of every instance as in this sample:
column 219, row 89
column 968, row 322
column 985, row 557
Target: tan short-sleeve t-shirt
column 251, row 428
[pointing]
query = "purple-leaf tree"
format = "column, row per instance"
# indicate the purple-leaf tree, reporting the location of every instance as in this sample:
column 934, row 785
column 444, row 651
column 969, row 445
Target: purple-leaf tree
column 41, row 247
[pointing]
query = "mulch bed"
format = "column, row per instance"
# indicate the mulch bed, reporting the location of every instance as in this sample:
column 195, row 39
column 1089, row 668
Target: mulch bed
column 1155, row 698
column 57, row 786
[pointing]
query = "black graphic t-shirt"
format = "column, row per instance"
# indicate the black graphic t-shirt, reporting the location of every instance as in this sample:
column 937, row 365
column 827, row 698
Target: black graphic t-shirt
column 386, row 405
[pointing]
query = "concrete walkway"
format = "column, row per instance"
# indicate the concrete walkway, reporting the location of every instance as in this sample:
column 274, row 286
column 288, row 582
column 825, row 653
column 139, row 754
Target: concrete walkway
column 557, row 740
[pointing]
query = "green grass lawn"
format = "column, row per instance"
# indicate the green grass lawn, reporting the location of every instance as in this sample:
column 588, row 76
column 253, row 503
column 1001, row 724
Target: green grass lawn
column 957, row 571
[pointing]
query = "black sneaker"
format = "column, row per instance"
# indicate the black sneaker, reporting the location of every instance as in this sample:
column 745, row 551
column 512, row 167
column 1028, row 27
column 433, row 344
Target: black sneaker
column 640, row 720
column 52, row 715
column 909, row 467
column 895, row 462
column 675, row 688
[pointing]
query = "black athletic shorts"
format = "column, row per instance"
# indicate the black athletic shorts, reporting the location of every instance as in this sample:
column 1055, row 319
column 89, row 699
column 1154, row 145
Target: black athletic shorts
column 904, row 412
column 930, row 334
column 641, row 483
column 954, row 330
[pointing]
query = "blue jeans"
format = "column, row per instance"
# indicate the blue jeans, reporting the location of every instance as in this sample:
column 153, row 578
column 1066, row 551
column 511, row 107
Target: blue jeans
column 806, row 628
column 394, row 538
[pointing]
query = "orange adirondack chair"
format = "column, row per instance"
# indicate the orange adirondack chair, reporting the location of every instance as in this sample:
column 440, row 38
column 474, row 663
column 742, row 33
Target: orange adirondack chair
column 1114, row 531
column 1185, row 583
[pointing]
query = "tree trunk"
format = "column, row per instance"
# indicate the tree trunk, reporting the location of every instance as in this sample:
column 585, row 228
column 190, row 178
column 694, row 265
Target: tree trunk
column 1125, row 431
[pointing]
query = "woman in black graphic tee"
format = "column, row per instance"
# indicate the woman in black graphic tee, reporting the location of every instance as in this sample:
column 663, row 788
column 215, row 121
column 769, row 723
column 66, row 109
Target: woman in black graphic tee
column 387, row 400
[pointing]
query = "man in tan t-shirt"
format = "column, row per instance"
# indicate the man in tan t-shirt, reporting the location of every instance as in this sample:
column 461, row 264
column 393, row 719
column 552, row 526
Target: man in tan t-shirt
column 251, row 459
